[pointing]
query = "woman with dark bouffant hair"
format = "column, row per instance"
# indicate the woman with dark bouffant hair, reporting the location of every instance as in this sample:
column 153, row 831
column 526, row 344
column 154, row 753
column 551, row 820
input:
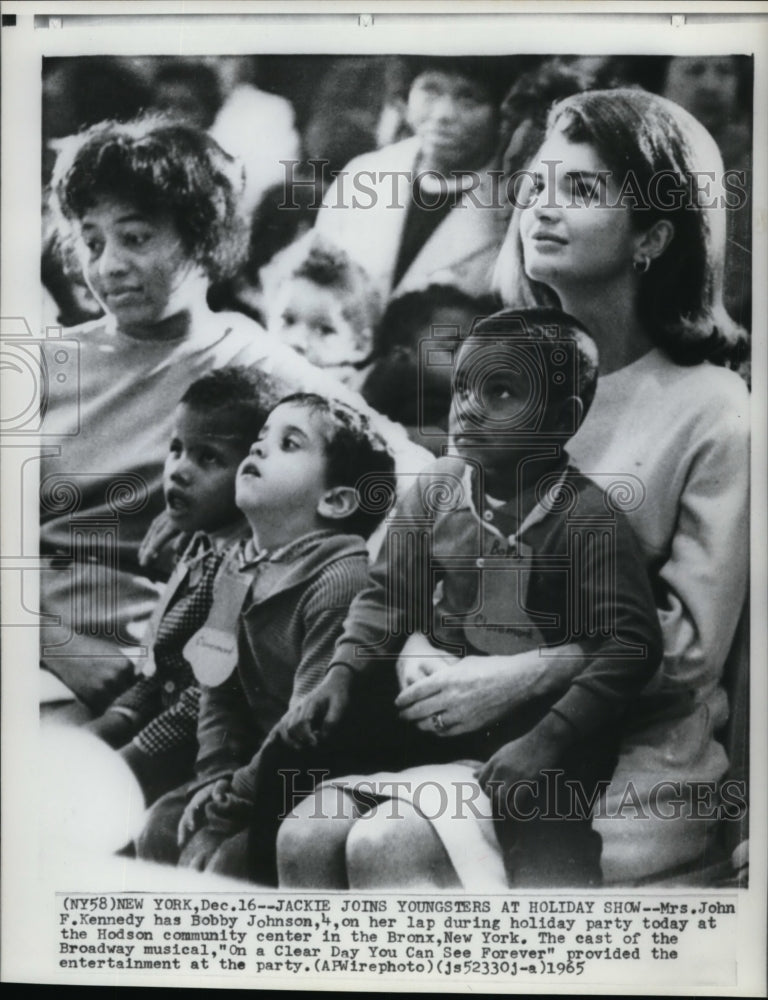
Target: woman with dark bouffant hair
column 653, row 151
column 620, row 221
column 669, row 418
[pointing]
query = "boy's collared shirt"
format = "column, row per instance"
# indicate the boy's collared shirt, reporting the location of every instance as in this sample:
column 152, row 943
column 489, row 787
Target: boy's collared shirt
column 246, row 578
column 503, row 579
column 509, row 519
column 200, row 553
column 166, row 695
column 509, row 558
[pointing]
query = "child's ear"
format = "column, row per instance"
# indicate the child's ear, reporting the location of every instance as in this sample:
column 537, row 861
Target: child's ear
column 570, row 414
column 338, row 503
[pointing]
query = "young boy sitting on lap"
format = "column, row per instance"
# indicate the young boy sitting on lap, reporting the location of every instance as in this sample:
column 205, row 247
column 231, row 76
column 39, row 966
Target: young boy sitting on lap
column 279, row 604
column 499, row 550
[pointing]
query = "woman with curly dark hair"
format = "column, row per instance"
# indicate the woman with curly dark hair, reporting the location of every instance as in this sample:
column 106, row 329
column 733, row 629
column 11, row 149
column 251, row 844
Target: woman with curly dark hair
column 148, row 210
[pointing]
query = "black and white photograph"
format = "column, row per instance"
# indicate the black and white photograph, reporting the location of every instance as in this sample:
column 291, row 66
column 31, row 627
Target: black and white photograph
column 384, row 496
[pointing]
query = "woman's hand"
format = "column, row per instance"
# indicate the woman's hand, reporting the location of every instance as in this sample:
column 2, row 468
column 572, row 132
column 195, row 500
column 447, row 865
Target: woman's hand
column 481, row 690
column 419, row 658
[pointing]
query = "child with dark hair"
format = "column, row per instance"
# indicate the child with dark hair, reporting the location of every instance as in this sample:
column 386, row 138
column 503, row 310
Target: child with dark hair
column 413, row 349
column 500, row 550
column 154, row 722
column 321, row 303
column 279, row 604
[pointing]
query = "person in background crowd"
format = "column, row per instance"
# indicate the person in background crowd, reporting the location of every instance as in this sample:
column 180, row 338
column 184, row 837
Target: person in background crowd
column 258, row 129
column 414, row 347
column 83, row 91
column 424, row 209
column 341, row 122
column 713, row 89
column 322, row 304
column 188, row 92
column 345, row 111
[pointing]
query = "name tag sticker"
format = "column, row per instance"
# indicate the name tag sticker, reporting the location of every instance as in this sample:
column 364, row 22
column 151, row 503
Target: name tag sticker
column 212, row 654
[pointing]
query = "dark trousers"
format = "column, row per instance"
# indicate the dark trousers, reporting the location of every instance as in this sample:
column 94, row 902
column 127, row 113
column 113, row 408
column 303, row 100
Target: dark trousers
column 158, row 840
column 545, row 832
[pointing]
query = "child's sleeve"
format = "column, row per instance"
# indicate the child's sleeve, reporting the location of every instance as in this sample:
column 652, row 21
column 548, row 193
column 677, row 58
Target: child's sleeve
column 326, row 606
column 625, row 649
column 375, row 627
column 174, row 727
column 139, row 703
column 143, row 700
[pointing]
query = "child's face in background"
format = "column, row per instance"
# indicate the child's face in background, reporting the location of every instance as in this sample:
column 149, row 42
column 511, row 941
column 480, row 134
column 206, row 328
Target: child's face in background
column 200, row 470
column 310, row 319
column 448, row 325
column 285, row 470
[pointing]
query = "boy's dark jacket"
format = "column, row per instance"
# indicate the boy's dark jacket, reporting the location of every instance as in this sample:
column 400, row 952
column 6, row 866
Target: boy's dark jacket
column 586, row 583
column 292, row 615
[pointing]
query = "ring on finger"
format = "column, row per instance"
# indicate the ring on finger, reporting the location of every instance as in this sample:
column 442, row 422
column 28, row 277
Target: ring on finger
column 438, row 722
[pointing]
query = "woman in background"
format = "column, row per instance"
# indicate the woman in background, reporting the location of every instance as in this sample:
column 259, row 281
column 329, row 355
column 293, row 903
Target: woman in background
column 425, row 209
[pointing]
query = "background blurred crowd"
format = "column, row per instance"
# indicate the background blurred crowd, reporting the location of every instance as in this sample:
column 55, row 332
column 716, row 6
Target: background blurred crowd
column 267, row 109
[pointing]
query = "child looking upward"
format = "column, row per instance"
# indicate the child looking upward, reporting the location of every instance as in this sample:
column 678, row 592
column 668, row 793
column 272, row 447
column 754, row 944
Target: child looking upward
column 511, row 551
column 321, row 303
column 155, row 720
column 279, row 604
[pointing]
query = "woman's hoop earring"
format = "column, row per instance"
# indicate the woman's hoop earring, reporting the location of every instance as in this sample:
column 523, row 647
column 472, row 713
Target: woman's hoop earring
column 641, row 264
